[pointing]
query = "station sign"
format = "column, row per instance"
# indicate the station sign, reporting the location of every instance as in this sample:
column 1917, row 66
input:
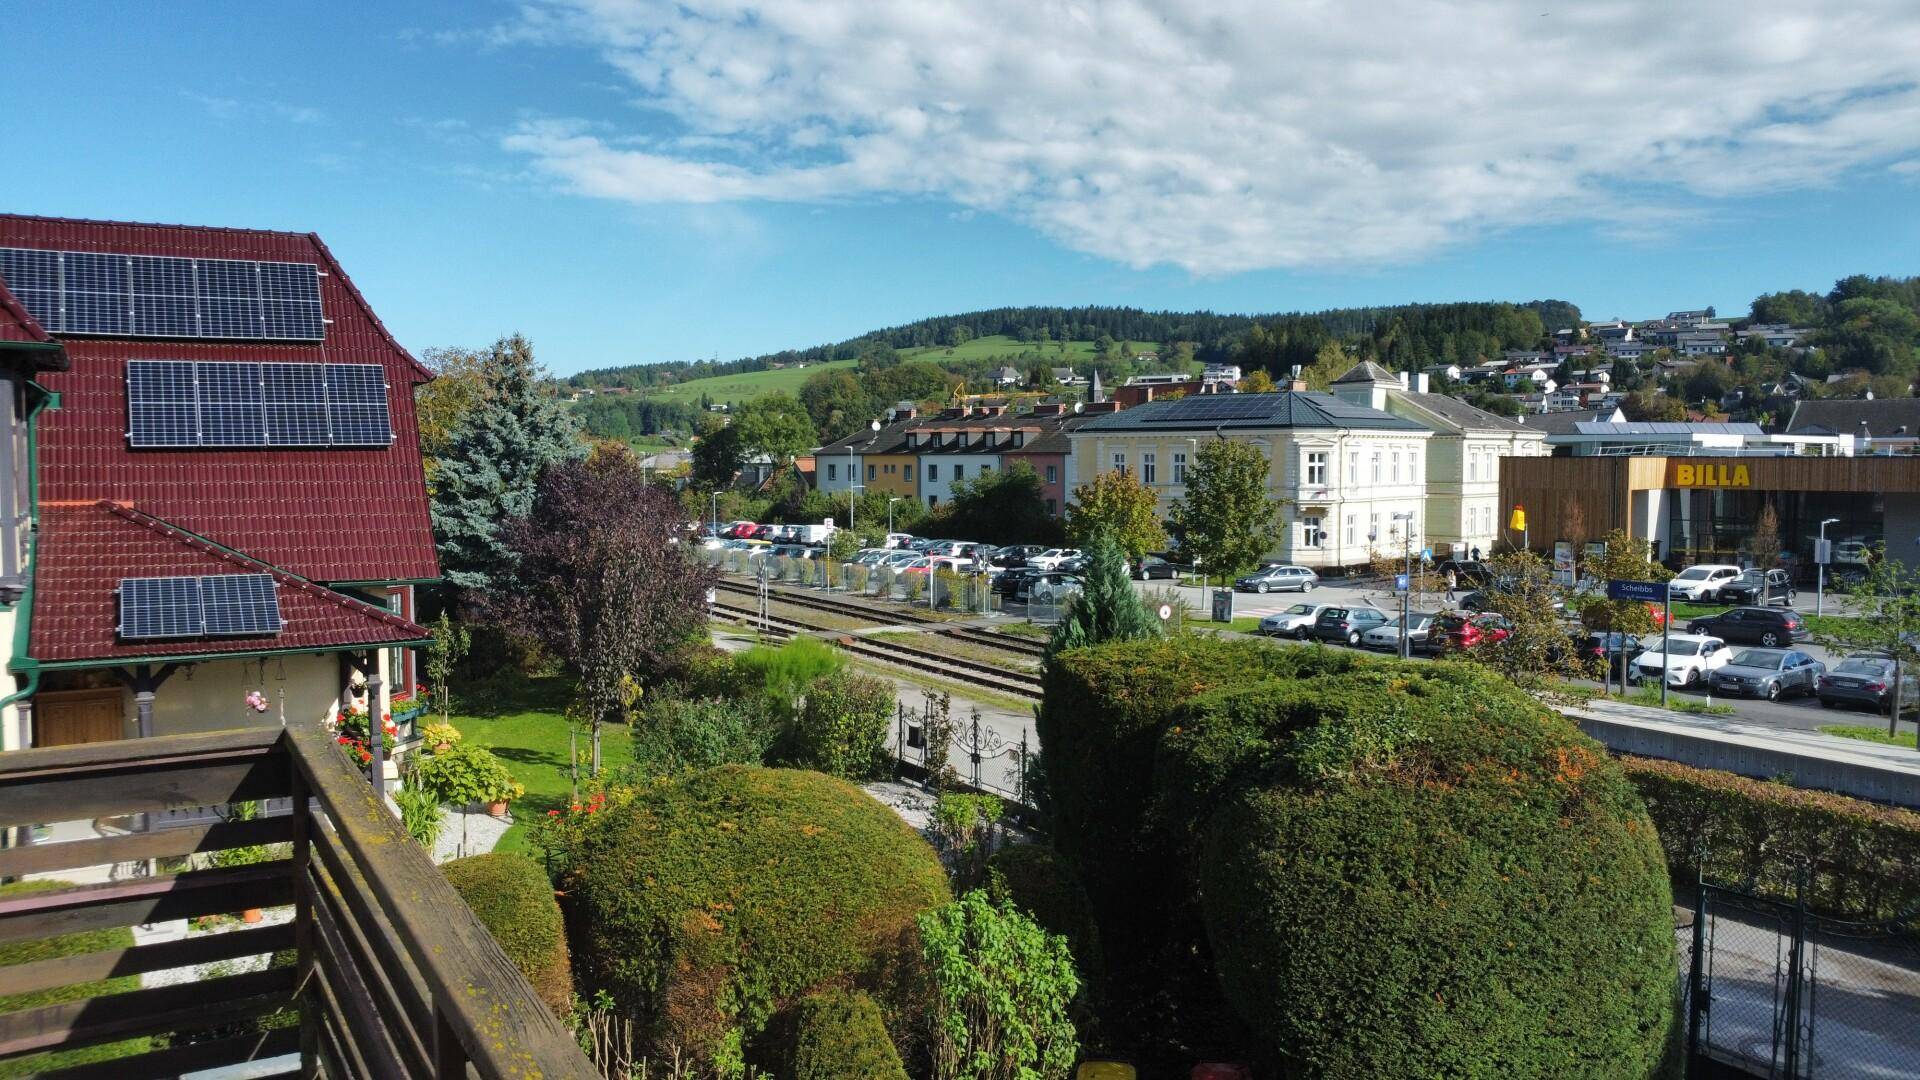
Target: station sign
column 1653, row 592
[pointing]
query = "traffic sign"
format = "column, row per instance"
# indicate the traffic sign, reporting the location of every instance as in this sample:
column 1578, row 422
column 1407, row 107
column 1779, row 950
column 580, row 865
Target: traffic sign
column 1823, row 551
column 1654, row 592
column 1426, row 553
column 1400, row 582
column 1166, row 612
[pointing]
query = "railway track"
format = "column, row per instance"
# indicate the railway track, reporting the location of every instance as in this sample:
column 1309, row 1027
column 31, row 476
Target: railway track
column 958, row 669
column 887, row 616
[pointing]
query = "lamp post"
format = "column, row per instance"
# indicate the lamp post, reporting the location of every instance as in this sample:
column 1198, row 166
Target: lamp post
column 890, row 501
column 1406, row 594
column 1820, row 557
column 716, row 513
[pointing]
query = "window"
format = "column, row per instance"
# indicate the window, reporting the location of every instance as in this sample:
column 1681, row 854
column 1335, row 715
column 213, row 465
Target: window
column 1376, row 469
column 906, row 472
column 1373, row 524
column 1147, row 468
column 959, row 471
column 933, row 472
column 1353, row 467
column 1051, row 511
column 833, row 472
column 1119, row 462
column 1413, row 466
column 1317, row 469
column 871, row 471
column 1180, row 467
column 1351, row 530
column 1396, row 466
column 1053, row 474
column 1473, row 465
column 985, row 469
column 933, row 501
column 1310, row 532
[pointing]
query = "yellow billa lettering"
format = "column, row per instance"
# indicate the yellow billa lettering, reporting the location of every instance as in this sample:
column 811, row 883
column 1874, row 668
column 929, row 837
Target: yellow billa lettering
column 1740, row 477
column 1683, row 475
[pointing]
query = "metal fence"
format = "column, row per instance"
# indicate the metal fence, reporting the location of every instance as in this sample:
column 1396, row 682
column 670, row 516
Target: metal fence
column 1775, row 990
column 982, row 757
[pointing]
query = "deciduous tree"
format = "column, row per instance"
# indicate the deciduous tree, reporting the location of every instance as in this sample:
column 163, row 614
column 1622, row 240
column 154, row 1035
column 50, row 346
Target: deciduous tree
column 1118, row 505
column 1623, row 557
column 1003, row 507
column 1226, row 521
column 717, row 455
column 775, row 425
column 1887, row 620
column 1258, row 382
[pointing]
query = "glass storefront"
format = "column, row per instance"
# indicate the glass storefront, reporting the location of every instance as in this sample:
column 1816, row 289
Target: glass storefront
column 1717, row 526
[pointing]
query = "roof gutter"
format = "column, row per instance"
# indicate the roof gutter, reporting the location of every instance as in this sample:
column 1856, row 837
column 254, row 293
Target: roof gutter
column 33, row 667
column 23, row 625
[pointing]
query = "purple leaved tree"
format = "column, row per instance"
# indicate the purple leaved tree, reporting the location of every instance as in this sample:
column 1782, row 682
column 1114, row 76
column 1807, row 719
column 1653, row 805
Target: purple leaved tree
column 603, row 576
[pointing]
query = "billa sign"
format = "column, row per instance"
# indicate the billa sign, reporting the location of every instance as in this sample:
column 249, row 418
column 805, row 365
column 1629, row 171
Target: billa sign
column 1682, row 475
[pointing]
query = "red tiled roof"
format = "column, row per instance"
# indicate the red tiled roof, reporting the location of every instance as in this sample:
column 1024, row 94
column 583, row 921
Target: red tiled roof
column 85, row 549
column 15, row 323
column 327, row 515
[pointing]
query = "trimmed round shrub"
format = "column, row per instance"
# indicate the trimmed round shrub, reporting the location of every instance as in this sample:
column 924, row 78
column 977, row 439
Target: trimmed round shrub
column 512, row 898
column 709, row 901
column 1420, row 870
column 839, row 1035
column 25, row 952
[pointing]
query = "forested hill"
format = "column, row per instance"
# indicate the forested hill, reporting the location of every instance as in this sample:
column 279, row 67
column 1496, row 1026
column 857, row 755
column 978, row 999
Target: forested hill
column 1440, row 331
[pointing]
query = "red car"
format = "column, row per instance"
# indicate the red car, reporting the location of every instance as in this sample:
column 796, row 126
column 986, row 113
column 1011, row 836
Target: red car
column 1454, row 630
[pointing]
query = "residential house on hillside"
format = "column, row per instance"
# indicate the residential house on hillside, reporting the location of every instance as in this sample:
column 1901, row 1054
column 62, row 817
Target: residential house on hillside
column 1461, row 507
column 1066, row 376
column 1873, row 425
column 231, row 510
column 1775, row 335
column 1343, row 469
column 1564, row 422
column 1008, row 376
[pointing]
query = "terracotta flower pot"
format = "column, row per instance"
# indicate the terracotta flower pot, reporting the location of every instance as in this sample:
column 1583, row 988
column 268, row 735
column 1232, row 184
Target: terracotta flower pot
column 441, row 748
column 252, row 915
column 497, row 809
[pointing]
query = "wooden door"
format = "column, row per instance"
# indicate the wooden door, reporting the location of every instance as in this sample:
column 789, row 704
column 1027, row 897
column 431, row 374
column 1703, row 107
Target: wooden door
column 65, row 717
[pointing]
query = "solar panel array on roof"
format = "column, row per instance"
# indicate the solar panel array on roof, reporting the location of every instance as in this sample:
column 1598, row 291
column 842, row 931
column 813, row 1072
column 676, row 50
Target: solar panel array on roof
column 173, row 404
column 217, row 605
column 89, row 292
column 1227, row 407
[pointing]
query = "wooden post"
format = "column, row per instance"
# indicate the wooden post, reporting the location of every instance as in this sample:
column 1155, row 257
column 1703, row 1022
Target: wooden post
column 303, row 926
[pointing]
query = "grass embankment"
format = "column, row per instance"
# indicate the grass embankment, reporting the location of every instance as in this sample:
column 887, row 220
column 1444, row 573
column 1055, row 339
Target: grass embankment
column 999, row 346
column 523, row 721
column 1870, row 734
column 746, row 386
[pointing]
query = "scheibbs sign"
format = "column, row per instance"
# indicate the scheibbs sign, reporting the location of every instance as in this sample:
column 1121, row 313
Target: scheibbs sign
column 1709, row 475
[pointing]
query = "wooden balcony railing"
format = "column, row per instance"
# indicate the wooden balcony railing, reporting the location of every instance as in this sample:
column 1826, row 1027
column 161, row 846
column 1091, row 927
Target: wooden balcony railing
column 394, row 976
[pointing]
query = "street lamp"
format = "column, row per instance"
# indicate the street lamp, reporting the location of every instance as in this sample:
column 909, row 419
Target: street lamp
column 1820, row 556
column 716, row 513
column 1406, row 594
column 890, row 501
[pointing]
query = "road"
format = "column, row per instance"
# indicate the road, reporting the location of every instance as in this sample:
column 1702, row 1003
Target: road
column 1805, row 714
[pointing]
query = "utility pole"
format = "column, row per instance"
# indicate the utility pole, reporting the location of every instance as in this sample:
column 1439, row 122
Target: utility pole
column 890, row 501
column 1406, row 594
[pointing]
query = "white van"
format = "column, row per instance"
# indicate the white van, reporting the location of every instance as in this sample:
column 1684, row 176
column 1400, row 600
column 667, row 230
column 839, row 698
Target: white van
column 812, row 534
column 1704, row 580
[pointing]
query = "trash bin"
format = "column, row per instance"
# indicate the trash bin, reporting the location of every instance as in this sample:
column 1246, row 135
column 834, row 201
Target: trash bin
column 1104, row 1070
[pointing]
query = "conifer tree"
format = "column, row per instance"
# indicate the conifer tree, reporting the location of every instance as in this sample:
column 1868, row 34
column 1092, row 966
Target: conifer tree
column 1107, row 609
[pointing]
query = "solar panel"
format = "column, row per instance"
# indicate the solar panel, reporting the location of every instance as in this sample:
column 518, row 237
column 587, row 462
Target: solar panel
column 296, row 400
column 162, row 406
column 357, row 404
column 85, row 292
column 240, row 604
column 161, row 608
column 179, row 403
column 212, row 606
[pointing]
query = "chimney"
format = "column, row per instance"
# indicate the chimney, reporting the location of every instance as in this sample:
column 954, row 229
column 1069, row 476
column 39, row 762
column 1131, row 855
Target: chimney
column 1051, row 408
column 1403, row 380
column 905, row 410
column 954, row 412
column 1101, row 407
column 1298, row 386
column 1424, row 382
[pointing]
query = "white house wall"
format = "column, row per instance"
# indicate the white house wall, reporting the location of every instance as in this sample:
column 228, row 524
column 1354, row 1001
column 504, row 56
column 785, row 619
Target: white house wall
column 937, row 487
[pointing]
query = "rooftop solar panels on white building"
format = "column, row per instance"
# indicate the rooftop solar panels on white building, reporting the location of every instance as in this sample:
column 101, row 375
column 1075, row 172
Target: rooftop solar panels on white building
column 113, row 295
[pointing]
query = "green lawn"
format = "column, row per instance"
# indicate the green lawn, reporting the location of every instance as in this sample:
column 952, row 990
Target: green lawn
column 1870, row 734
column 526, row 727
column 745, row 387
column 999, row 345
column 1244, row 624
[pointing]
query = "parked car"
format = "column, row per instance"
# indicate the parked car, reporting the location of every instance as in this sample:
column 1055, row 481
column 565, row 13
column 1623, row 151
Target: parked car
column 1685, row 658
column 1855, row 552
column 1155, row 568
column 1010, row 582
column 1865, row 681
column 1456, row 631
column 1053, row 588
column 1014, row 555
column 872, row 556
column 1768, row 673
column 1763, row 587
column 1051, row 558
column 1477, row 600
column 740, row 530
column 1295, row 622
column 895, row 540
column 1754, row 626
column 1387, row 636
column 899, row 559
column 1347, row 624
column 1075, row 565
column 1278, row 579
column 959, row 549
column 1465, row 572
column 1701, row 582
column 1610, row 647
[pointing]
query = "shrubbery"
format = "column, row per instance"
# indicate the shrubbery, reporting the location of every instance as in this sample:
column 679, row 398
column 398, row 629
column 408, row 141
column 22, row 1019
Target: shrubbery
column 999, row 991
column 679, row 734
column 1031, row 877
column 26, row 952
column 512, row 898
column 839, row 1035
column 1862, row 859
column 1403, row 869
column 843, row 726
column 702, row 904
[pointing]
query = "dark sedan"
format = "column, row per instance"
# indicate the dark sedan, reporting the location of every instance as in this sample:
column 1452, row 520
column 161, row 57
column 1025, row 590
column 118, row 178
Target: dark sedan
column 1347, row 624
column 1011, row 582
column 1153, row 568
column 1768, row 673
column 1766, row 588
column 1770, row 627
column 1610, row 647
column 1017, row 555
column 1865, row 682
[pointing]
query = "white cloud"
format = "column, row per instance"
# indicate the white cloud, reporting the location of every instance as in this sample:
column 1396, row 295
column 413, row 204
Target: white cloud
column 1229, row 136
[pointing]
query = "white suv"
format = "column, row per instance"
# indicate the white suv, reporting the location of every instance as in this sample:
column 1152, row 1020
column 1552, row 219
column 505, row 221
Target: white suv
column 1703, row 581
column 1689, row 658
column 1051, row 558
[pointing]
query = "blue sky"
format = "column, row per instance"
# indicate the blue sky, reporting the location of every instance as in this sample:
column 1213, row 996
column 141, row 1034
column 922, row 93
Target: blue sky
column 626, row 181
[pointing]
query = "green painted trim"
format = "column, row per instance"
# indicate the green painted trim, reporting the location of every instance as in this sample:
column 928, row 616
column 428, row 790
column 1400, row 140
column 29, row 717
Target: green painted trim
column 31, row 665
column 23, row 626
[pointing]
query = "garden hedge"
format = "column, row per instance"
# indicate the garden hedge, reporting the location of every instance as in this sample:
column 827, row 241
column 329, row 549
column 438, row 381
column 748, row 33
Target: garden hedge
column 26, row 952
column 709, row 901
column 839, row 1035
column 1032, row 877
column 1863, row 859
column 512, row 897
column 1401, row 869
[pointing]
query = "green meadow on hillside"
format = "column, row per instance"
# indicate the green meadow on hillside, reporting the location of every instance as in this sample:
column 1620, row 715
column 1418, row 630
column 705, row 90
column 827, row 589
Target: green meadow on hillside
column 745, row 387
